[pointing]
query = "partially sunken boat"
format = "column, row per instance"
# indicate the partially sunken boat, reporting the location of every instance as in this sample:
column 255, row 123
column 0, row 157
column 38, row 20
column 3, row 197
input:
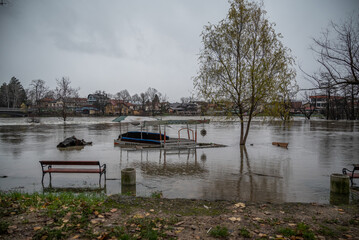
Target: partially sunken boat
column 142, row 139
column 138, row 137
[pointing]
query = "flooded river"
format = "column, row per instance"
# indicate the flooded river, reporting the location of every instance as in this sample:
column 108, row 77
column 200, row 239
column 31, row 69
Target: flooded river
column 259, row 172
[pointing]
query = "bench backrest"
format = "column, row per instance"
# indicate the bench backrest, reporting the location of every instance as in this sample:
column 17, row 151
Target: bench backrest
column 69, row 162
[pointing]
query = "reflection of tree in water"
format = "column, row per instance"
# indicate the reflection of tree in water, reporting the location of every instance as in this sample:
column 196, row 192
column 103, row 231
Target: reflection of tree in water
column 13, row 135
column 254, row 181
column 180, row 163
column 259, row 182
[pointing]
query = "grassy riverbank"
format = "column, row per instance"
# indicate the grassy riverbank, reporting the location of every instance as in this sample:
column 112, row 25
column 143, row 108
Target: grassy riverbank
column 84, row 216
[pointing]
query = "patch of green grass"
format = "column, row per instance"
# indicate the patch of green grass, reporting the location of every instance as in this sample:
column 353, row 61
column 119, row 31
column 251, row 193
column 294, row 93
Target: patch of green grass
column 326, row 231
column 50, row 233
column 66, row 210
column 304, row 231
column 219, row 232
column 3, row 227
column 287, row 232
column 156, row 194
column 272, row 221
column 354, row 222
column 243, row 232
column 332, row 221
column 301, row 230
column 119, row 233
column 147, row 228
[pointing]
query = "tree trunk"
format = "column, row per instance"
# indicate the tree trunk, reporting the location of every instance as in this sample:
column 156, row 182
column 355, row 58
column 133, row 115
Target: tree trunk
column 242, row 141
column 352, row 115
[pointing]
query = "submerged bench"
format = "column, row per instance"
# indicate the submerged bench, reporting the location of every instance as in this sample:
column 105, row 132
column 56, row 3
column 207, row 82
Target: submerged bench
column 351, row 173
column 48, row 167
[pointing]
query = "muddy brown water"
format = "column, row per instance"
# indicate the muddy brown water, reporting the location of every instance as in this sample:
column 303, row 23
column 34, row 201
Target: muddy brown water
column 259, row 172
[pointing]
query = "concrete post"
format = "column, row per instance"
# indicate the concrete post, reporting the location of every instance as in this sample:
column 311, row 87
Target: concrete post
column 128, row 176
column 339, row 183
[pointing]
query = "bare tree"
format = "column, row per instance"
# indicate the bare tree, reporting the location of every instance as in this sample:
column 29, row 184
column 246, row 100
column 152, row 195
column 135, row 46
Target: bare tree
column 37, row 91
column 309, row 105
column 144, row 98
column 337, row 51
column 64, row 93
column 123, row 95
column 136, row 99
column 101, row 100
column 151, row 93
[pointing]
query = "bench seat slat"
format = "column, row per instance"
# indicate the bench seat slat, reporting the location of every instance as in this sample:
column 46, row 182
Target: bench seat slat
column 70, row 162
column 71, row 170
column 355, row 175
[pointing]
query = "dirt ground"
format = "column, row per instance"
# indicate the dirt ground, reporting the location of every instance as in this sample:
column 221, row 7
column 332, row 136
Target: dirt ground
column 126, row 217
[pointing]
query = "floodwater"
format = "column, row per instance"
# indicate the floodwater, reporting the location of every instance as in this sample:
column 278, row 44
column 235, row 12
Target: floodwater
column 259, row 172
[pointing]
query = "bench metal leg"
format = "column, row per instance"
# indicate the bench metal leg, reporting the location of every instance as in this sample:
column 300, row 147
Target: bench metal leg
column 350, row 177
column 42, row 180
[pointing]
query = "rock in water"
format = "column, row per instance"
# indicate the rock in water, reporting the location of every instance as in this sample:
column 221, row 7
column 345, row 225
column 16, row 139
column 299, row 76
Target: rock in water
column 73, row 141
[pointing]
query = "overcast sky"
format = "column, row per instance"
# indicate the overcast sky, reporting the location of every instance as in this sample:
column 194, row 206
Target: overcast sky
column 113, row 45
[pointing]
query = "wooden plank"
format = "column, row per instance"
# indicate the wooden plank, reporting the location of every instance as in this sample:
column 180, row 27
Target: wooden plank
column 280, row 144
column 355, row 175
column 71, row 170
column 70, row 162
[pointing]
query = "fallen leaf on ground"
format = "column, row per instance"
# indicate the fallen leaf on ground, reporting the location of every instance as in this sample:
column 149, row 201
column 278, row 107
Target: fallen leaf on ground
column 113, row 210
column 37, row 228
column 94, row 221
column 233, row 219
column 240, row 205
column 179, row 223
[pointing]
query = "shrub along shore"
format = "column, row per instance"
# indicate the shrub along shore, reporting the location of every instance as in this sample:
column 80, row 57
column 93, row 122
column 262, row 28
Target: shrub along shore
column 97, row 216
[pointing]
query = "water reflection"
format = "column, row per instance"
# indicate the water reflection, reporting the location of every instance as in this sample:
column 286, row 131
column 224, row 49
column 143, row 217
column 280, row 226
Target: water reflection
column 254, row 181
column 170, row 163
column 13, row 136
column 128, row 189
column 260, row 172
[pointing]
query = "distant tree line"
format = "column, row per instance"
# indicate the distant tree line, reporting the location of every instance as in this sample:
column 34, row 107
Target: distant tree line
column 13, row 95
